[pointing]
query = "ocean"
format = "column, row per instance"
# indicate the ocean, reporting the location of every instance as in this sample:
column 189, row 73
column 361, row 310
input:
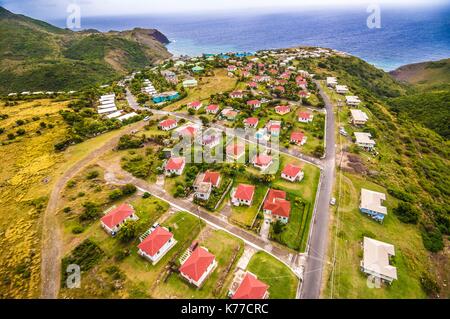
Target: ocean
column 406, row 35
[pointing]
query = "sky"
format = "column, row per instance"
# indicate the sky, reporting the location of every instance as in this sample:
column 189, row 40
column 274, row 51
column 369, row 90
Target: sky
column 54, row 9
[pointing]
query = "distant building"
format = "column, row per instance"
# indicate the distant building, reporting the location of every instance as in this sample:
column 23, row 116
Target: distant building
column 198, row 266
column 243, row 195
column 277, row 206
column 190, row 83
column 175, row 166
column 365, row 140
column 247, row 286
column 305, row 117
column 292, row 173
column 352, row 100
column 156, row 244
column 358, row 117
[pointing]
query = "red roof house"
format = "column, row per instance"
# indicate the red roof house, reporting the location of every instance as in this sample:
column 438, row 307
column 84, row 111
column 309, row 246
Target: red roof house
column 175, row 165
column 298, row 138
column 196, row 105
column 168, row 125
column 255, row 104
column 235, row 150
column 237, row 95
column 292, row 173
column 262, row 161
column 212, row 109
column 198, row 266
column 114, row 220
column 157, row 244
column 305, row 117
column 277, row 205
column 243, row 195
column 251, row 288
column 282, row 109
column 212, row 177
column 251, row 122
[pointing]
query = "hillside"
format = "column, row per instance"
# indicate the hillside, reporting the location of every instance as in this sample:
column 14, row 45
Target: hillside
column 429, row 103
column 425, row 75
column 35, row 55
column 411, row 167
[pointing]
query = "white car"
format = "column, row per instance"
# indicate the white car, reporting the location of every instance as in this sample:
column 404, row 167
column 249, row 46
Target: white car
column 333, row 201
column 147, row 118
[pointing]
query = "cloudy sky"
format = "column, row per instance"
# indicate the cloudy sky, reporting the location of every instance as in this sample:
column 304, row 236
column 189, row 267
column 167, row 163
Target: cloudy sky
column 57, row 8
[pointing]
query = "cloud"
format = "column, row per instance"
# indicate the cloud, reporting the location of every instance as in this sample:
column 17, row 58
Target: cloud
column 53, row 9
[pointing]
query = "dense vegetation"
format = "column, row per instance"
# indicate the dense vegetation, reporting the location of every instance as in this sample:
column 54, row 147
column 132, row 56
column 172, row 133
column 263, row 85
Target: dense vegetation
column 35, row 56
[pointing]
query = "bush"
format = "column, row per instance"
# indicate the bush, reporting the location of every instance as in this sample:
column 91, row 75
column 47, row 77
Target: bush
column 429, row 285
column 71, row 184
column 20, row 122
column 91, row 212
column 278, row 227
column 20, row 132
column 67, row 210
column 146, row 195
column 432, row 240
column 115, row 195
column 77, row 230
column 92, row 175
column 11, row 136
column 129, row 189
column 2, row 130
column 127, row 232
column 407, row 213
column 130, row 141
column 42, row 125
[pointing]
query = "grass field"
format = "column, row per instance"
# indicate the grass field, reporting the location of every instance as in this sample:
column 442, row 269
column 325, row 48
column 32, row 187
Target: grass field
column 348, row 281
column 282, row 281
column 227, row 250
column 207, row 86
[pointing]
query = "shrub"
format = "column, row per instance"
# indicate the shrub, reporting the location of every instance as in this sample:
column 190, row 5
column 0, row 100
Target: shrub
column 115, row 195
column 11, row 136
column 20, row 122
column 91, row 211
column 129, row 189
column 42, row 125
column 20, row 132
column 146, row 195
column 2, row 130
column 77, row 230
column 127, row 232
column 407, row 213
column 130, row 141
column 278, row 227
column 71, row 184
column 429, row 285
column 432, row 240
column 92, row 175
column 67, row 210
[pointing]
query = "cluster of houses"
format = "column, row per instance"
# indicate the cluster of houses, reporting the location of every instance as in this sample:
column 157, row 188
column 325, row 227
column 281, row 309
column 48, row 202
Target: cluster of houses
column 107, row 107
column 196, row 263
column 28, row 93
column 358, row 117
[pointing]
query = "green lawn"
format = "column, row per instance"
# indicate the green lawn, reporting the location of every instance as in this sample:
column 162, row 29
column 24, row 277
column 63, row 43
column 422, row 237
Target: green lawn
column 295, row 234
column 227, row 250
column 282, row 281
column 410, row 259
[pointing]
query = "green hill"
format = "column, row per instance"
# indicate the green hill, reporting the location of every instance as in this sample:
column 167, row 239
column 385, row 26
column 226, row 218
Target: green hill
column 429, row 103
column 35, row 55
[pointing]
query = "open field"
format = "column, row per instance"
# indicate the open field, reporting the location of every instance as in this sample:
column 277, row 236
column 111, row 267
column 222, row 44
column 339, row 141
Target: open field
column 282, row 281
column 410, row 259
column 207, row 86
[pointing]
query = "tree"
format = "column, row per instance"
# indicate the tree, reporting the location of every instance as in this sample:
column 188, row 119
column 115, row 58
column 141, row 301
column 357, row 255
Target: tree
column 319, row 151
column 129, row 189
column 91, row 211
column 278, row 227
column 407, row 213
column 115, row 194
column 127, row 232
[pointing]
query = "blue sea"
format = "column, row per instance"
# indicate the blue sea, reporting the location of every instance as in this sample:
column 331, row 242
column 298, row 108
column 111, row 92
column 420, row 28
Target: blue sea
column 406, row 35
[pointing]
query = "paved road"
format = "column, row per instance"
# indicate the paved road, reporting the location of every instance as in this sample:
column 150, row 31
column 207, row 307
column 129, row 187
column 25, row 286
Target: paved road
column 318, row 242
column 51, row 232
column 283, row 254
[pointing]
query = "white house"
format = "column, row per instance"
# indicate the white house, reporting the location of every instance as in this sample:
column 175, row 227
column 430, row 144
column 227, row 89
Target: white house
column 364, row 140
column 358, row 117
column 342, row 89
column 116, row 217
column 292, row 173
column 331, row 81
column 372, row 204
column 156, row 244
column 376, row 260
column 352, row 100
column 243, row 195
column 198, row 266
column 175, row 166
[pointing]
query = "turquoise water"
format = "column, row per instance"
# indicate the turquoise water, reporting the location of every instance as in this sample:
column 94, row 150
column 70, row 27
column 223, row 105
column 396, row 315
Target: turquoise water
column 405, row 36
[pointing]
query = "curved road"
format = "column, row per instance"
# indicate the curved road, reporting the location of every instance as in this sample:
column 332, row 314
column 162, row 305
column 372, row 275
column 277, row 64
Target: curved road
column 51, row 233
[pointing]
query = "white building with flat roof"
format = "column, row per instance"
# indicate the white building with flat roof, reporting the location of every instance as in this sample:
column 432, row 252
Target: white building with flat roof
column 364, row 140
column 372, row 204
column 352, row 100
column 331, row 81
column 376, row 260
column 358, row 117
column 342, row 89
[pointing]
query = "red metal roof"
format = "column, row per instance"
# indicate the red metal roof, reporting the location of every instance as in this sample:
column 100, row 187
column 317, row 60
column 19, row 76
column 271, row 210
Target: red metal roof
column 262, row 160
column 282, row 109
column 251, row 288
column 297, row 136
column 212, row 177
column 117, row 215
column 304, row 115
column 167, row 123
column 197, row 264
column 155, row 241
column 175, row 163
column 244, row 192
column 251, row 121
column 291, row 170
column 276, row 203
column 235, row 149
column 212, row 107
